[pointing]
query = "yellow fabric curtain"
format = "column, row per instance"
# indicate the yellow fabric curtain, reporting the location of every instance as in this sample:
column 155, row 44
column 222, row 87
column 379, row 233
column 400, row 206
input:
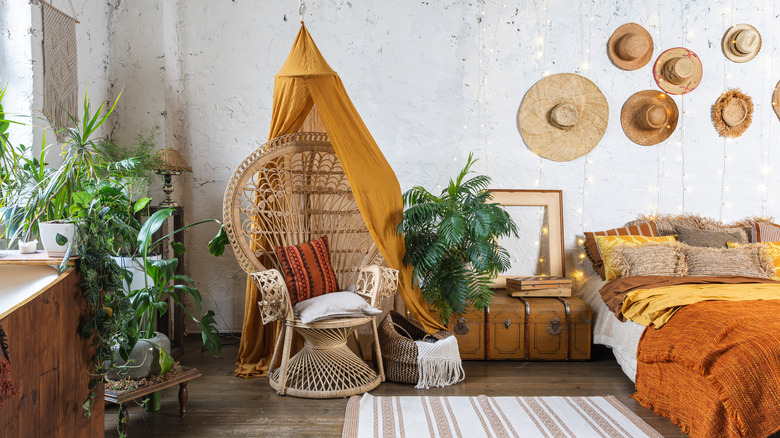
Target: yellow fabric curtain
column 305, row 80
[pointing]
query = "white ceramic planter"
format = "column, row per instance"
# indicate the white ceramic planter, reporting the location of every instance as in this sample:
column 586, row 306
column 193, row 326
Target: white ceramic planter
column 48, row 233
column 144, row 359
column 134, row 265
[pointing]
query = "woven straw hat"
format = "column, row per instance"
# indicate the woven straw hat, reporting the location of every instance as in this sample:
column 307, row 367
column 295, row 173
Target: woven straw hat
column 630, row 47
column 678, row 71
column 741, row 43
column 776, row 100
column 649, row 117
column 732, row 113
column 563, row 117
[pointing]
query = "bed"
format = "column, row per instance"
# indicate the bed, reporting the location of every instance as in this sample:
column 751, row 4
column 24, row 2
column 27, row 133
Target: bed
column 713, row 366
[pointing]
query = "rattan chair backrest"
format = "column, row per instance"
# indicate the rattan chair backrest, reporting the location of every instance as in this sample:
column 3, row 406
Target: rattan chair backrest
column 292, row 190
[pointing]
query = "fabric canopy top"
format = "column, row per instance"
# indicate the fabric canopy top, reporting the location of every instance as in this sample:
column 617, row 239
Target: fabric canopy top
column 304, row 81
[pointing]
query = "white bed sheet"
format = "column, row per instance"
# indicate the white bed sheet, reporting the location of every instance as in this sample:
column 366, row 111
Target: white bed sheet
column 621, row 337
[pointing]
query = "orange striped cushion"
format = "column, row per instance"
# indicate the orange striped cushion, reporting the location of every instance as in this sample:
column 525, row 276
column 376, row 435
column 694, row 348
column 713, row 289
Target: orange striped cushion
column 592, row 248
column 307, row 269
column 766, row 232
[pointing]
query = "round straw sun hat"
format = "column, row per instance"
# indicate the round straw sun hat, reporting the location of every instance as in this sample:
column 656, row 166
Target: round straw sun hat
column 732, row 113
column 649, row 117
column 741, row 43
column 630, row 47
column 563, row 117
column 678, row 71
column 776, row 100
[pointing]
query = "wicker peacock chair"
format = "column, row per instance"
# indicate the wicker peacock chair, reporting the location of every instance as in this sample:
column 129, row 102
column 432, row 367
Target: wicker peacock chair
column 289, row 191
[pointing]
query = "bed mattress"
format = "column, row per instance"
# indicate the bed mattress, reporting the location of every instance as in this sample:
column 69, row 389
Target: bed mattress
column 621, row 337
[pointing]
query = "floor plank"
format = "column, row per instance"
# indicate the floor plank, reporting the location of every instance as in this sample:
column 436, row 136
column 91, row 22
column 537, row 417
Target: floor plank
column 226, row 406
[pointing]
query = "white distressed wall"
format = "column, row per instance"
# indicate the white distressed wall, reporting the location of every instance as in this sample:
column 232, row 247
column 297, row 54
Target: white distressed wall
column 203, row 70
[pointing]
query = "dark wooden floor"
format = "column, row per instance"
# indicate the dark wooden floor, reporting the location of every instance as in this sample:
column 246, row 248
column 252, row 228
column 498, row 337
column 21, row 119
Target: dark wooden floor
column 226, row 406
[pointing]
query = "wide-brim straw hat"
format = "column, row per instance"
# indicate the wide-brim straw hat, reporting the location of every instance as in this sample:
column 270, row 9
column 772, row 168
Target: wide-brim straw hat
column 741, row 43
column 776, row 100
column 649, row 117
column 678, row 71
column 630, row 47
column 563, row 117
column 732, row 113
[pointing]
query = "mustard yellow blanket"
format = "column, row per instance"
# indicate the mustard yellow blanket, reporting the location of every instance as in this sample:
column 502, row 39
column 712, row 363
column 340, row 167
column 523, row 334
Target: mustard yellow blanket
column 655, row 306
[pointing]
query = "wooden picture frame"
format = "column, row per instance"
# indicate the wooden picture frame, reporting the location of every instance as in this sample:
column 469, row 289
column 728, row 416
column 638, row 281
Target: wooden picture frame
column 552, row 200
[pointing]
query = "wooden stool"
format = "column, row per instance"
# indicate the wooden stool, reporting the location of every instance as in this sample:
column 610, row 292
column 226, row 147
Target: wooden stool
column 121, row 397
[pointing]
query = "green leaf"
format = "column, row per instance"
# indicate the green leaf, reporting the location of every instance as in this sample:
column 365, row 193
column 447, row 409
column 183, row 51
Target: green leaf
column 165, row 361
column 209, row 333
column 178, row 248
column 218, row 242
column 141, row 204
column 82, row 198
column 60, row 239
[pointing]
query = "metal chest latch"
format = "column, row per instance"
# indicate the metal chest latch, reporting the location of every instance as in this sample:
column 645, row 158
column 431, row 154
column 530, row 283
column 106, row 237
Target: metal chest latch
column 461, row 328
column 555, row 327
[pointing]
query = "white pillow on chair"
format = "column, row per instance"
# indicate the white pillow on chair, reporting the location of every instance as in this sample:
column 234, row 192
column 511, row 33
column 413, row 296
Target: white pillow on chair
column 333, row 305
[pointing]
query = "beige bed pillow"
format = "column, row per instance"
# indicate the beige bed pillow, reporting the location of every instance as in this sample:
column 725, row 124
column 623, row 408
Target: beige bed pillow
column 709, row 238
column 664, row 259
column 745, row 261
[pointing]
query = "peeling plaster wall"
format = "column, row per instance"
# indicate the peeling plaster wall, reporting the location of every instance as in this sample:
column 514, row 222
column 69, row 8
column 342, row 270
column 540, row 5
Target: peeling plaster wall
column 204, row 70
column 21, row 63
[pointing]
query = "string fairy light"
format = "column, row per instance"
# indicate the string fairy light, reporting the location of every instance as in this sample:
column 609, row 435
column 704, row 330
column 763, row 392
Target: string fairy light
column 586, row 178
column 479, row 106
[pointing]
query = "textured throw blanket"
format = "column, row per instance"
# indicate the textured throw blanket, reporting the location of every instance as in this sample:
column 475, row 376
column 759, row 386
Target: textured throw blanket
column 714, row 369
column 439, row 363
column 656, row 306
column 614, row 292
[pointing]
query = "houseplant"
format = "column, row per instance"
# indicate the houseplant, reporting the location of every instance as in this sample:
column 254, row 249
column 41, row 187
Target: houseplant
column 136, row 162
column 452, row 242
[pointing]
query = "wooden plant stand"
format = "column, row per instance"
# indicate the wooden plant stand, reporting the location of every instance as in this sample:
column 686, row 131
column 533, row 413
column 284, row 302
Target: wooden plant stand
column 121, row 397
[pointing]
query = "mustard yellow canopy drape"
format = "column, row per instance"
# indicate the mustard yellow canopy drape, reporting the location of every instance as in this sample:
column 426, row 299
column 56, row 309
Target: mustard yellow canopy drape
column 306, row 80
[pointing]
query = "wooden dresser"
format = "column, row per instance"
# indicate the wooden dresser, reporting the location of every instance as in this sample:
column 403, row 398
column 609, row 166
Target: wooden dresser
column 50, row 365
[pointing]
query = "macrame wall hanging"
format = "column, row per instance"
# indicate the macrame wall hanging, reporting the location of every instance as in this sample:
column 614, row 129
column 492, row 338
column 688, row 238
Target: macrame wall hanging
column 60, row 68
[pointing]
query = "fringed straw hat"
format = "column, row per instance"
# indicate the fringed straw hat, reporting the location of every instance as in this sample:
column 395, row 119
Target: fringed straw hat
column 678, row 71
column 649, row 117
column 732, row 113
column 741, row 43
column 563, row 117
column 630, row 47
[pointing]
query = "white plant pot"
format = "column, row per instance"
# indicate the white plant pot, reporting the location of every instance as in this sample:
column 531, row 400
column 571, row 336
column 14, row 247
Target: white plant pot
column 135, row 265
column 48, row 232
column 144, row 359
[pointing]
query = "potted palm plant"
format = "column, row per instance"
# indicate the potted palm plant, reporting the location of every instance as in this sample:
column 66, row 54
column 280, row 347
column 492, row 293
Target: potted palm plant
column 452, row 242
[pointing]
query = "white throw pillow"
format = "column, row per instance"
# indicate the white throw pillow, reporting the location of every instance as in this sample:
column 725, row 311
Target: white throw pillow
column 333, row 305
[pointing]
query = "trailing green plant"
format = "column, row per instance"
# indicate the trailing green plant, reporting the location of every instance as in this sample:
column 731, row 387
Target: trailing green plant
column 452, row 242
column 111, row 315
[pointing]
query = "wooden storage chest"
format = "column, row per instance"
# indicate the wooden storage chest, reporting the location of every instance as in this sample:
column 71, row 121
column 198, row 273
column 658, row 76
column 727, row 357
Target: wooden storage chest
column 556, row 328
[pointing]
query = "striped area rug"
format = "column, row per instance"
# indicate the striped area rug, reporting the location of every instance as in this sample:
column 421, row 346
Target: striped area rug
column 499, row 417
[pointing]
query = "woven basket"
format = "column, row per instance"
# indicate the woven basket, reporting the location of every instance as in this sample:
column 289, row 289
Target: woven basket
column 399, row 352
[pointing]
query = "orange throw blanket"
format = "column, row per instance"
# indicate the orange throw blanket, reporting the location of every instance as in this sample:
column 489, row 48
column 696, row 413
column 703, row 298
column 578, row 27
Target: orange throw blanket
column 714, row 369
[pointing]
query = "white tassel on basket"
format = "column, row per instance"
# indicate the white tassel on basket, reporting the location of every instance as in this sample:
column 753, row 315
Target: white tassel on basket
column 439, row 363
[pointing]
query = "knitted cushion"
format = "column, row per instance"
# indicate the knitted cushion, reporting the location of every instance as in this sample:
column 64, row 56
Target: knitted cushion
column 307, row 269
column 747, row 261
column 664, row 259
column 592, row 249
column 607, row 245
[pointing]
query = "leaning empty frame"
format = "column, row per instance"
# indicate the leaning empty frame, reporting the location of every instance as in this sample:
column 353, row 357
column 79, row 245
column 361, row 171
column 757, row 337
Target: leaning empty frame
column 552, row 200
